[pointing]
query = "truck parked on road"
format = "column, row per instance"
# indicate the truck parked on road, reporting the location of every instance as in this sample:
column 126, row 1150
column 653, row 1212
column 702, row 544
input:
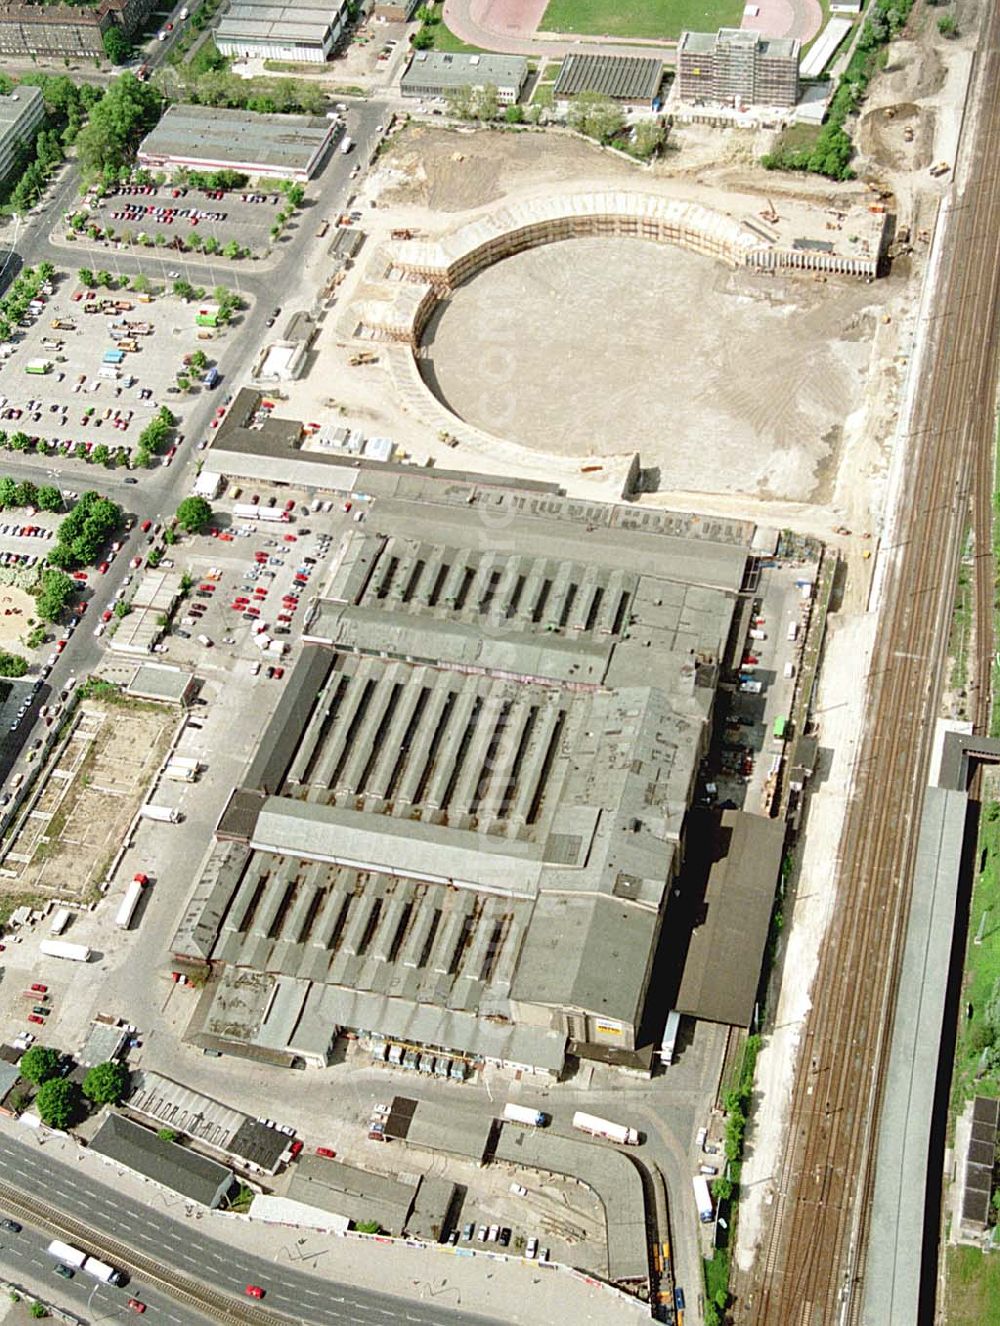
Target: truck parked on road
column 179, row 773
column 60, row 948
column 165, row 814
column 703, row 1199
column 123, row 917
column 611, row 1132
column 522, row 1114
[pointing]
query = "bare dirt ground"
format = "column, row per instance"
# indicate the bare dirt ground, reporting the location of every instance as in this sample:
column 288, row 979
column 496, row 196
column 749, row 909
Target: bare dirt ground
column 87, row 798
column 744, row 385
column 16, row 608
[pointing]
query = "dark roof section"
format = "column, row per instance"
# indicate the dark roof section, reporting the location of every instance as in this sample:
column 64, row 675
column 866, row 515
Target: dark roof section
column 620, row 77
column 358, row 1194
column 258, row 1144
column 171, row 1166
column 978, row 1184
column 724, row 959
column 283, row 737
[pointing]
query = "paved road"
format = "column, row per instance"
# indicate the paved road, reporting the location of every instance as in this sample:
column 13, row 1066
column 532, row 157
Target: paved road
column 142, row 1227
column 25, row 1262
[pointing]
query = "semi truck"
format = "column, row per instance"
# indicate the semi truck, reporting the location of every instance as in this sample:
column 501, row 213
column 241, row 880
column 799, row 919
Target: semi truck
column 247, row 511
column 522, row 1114
column 108, row 1275
column 669, row 1043
column 611, row 1132
column 67, row 1254
column 60, row 948
column 165, row 814
column 703, row 1199
column 186, row 762
column 123, row 917
column 78, row 1259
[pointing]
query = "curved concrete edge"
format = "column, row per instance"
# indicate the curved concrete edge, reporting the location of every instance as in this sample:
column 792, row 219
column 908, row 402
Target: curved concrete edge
column 892, row 1275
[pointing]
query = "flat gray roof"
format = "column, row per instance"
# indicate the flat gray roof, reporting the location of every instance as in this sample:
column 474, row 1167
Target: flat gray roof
column 265, row 20
column 165, row 1163
column 18, row 105
column 289, row 142
column 611, row 1174
column 158, row 682
column 441, row 69
column 621, row 77
column 726, row 952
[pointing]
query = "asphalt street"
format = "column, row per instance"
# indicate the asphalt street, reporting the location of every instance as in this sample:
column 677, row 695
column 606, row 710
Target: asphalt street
column 305, row 1297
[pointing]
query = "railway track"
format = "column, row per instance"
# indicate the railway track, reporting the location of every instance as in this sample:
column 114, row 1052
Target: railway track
column 811, row 1263
column 183, row 1289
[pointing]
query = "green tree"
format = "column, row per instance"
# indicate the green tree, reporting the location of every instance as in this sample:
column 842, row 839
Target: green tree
column 12, row 665
column 122, row 609
column 199, row 360
column 49, row 498
column 117, row 46
column 948, row 25
column 38, row 1310
column 166, row 1135
column 54, row 592
column 514, row 114
column 596, row 116
column 107, row 1083
column 422, row 40
column 183, row 289
column 39, row 1064
column 58, row 1102
column 8, row 490
column 101, row 454
column 193, row 514
column 86, row 277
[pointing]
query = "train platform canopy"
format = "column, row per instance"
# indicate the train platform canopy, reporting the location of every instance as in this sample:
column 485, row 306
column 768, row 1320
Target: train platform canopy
column 724, row 958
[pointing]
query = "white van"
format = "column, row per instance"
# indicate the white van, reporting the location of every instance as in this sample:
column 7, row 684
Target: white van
column 108, row 371
column 204, row 640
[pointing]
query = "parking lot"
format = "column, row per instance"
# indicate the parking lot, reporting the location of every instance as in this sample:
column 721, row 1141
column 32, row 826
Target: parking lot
column 185, row 216
column 83, row 402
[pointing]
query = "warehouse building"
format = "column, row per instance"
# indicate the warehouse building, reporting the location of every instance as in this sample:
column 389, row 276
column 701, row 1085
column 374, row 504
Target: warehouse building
column 462, row 826
column 280, row 146
column 632, row 80
column 436, row 73
column 737, row 67
column 300, row 30
column 21, row 113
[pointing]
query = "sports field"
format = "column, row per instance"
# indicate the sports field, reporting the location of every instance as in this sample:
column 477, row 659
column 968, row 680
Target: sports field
column 662, row 20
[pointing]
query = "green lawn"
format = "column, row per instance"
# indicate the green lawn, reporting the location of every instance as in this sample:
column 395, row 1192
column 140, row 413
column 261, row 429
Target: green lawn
column 445, row 40
column 973, row 1288
column 982, row 961
column 659, row 19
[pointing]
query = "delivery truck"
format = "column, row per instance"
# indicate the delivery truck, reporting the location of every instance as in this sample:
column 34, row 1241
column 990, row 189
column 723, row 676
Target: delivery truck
column 611, row 1132
column 522, row 1114
column 669, row 1043
column 60, row 920
column 179, row 773
column 165, row 814
column 60, row 948
column 67, row 1254
column 703, row 1199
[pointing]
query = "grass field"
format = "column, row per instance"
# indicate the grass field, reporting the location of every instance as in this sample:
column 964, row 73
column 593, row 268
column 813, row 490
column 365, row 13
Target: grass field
column 662, row 20
column 982, row 961
column 973, row 1288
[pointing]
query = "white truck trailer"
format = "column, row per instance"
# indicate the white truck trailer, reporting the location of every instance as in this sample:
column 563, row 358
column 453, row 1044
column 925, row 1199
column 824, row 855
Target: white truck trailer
column 59, row 948
column 67, row 1254
column 60, row 920
column 522, row 1114
column 669, row 1043
column 123, row 917
column 611, row 1132
column 703, row 1199
column 165, row 814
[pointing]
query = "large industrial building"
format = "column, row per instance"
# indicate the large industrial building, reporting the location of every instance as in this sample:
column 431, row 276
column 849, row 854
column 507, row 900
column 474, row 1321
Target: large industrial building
column 21, row 114
column 629, row 79
column 436, row 73
column 461, row 829
column 297, row 30
column 737, row 67
column 287, row 147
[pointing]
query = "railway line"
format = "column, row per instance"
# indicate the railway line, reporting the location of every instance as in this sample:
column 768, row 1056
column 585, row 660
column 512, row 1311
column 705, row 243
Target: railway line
column 811, row 1262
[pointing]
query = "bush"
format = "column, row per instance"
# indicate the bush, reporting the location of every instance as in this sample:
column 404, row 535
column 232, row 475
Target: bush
column 12, row 665
column 54, row 591
column 193, row 514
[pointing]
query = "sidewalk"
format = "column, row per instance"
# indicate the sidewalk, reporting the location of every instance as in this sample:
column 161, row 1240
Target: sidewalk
column 510, row 1290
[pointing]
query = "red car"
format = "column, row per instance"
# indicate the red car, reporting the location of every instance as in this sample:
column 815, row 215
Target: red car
column 326, row 1151
column 104, row 568
column 254, row 1291
column 60, row 646
column 81, row 576
column 136, row 1306
column 40, row 989
column 208, row 587
column 279, row 673
column 290, row 504
column 106, row 615
column 146, row 526
column 296, row 1147
column 33, row 1017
